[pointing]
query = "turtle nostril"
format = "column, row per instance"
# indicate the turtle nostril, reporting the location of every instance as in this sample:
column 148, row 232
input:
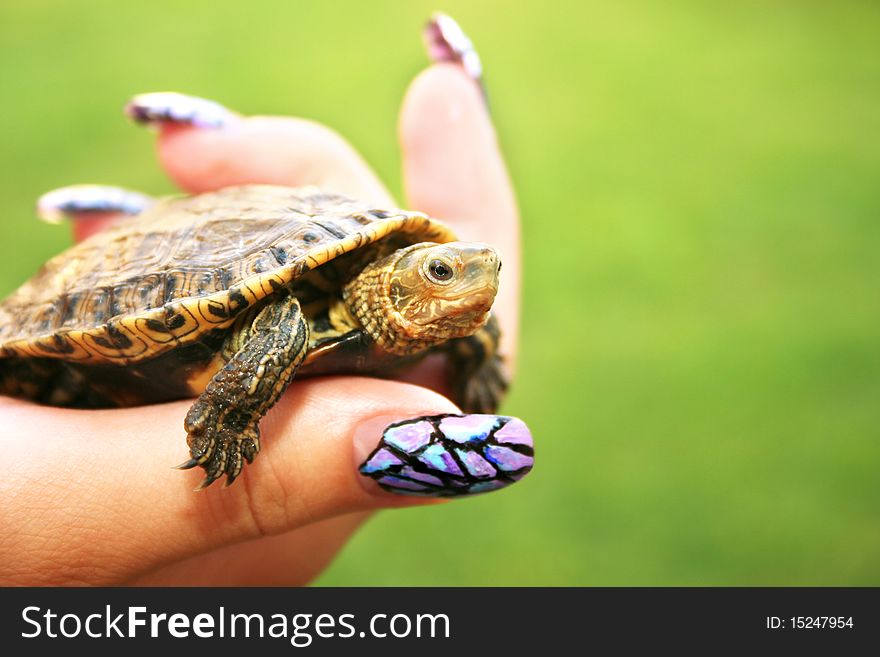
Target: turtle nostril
column 499, row 268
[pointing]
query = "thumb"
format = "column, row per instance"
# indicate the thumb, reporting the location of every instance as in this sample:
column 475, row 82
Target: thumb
column 125, row 512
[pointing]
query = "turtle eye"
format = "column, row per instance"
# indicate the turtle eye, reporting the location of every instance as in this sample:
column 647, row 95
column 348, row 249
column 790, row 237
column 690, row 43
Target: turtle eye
column 440, row 271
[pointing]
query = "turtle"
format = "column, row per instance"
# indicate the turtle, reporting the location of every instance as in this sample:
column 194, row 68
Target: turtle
column 226, row 295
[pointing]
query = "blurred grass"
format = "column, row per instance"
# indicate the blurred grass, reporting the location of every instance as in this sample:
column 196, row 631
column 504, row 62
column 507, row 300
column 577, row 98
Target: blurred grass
column 699, row 188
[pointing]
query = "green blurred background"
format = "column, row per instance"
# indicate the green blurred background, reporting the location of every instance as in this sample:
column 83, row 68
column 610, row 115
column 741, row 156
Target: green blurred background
column 700, row 190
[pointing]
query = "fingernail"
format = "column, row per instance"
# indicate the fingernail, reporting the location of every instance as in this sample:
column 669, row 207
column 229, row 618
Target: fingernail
column 68, row 202
column 447, row 42
column 451, row 455
column 168, row 107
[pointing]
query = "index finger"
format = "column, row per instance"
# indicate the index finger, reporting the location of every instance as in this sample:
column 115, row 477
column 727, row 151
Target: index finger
column 204, row 146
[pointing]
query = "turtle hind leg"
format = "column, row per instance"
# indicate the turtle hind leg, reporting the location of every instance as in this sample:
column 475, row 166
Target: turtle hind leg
column 476, row 373
column 222, row 425
column 73, row 200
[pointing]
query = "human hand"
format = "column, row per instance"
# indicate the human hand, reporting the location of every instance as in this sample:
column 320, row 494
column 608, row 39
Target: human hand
column 91, row 499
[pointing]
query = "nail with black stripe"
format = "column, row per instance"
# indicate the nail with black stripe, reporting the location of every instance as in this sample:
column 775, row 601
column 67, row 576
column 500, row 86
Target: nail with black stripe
column 172, row 108
column 447, row 42
column 451, row 455
column 78, row 201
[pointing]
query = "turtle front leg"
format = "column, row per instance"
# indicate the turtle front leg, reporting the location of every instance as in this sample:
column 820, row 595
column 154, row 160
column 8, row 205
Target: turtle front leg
column 221, row 426
column 476, row 372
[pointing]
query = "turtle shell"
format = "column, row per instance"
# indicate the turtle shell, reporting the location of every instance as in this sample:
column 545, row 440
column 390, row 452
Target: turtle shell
column 187, row 266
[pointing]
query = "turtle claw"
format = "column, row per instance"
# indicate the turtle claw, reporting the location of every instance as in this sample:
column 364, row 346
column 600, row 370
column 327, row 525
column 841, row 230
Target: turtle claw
column 221, row 451
column 207, row 481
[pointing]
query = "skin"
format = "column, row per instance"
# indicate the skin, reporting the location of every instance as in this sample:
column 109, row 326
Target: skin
column 92, row 500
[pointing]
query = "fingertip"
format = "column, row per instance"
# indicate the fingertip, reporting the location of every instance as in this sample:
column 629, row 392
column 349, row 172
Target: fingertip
column 90, row 208
column 195, row 159
column 444, row 97
column 450, row 455
column 87, row 224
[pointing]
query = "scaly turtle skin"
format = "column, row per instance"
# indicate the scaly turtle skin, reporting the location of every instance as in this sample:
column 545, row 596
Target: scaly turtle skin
column 226, row 295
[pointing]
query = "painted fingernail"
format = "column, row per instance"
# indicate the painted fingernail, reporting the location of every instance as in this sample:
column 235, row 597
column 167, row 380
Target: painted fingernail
column 451, row 455
column 447, row 42
column 168, row 107
column 68, row 202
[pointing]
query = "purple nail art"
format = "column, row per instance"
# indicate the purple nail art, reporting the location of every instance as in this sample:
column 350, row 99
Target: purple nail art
column 451, row 455
column 54, row 206
column 447, row 42
column 172, row 107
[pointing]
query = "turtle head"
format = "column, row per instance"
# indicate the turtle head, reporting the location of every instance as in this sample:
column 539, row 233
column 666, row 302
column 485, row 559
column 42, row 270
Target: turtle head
column 425, row 294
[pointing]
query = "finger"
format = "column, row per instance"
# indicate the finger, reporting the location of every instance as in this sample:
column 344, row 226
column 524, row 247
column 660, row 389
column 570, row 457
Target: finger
column 291, row 559
column 203, row 147
column 90, row 208
column 104, row 477
column 454, row 170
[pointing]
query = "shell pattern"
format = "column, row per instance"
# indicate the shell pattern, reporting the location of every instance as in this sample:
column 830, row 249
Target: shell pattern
column 186, row 266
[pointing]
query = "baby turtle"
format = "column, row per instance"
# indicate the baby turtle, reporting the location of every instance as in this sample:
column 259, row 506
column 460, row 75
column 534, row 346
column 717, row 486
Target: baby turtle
column 228, row 294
